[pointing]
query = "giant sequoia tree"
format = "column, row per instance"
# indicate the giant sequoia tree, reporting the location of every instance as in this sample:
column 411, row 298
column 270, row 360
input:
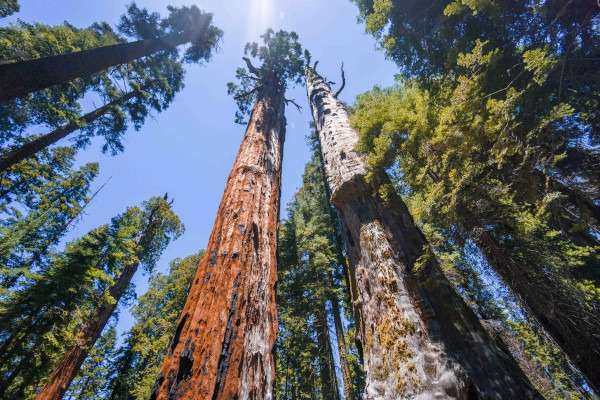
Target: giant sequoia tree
column 495, row 132
column 223, row 344
column 184, row 25
column 418, row 335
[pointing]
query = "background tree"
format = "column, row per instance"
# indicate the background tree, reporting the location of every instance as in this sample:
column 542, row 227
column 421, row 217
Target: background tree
column 184, row 25
column 232, row 298
column 495, row 134
column 129, row 92
column 95, row 374
column 41, row 321
column 310, row 285
column 153, row 227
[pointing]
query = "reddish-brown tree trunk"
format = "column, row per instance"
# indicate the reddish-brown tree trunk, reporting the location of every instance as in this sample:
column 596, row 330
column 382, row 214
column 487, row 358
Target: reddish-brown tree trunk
column 223, row 345
column 420, row 340
column 67, row 369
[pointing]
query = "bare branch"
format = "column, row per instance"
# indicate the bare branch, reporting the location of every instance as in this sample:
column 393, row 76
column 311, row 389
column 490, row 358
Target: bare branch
column 343, row 83
column 315, row 65
column 251, row 67
column 291, row 101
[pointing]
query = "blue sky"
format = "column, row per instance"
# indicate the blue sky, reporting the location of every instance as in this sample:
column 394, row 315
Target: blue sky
column 188, row 149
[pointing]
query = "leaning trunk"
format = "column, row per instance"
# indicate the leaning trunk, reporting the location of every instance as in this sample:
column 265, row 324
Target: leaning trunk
column 67, row 369
column 574, row 326
column 223, row 345
column 21, row 78
column 30, row 148
column 419, row 337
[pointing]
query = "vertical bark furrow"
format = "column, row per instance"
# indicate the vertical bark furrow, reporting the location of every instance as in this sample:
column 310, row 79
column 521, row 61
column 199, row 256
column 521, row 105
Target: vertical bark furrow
column 419, row 338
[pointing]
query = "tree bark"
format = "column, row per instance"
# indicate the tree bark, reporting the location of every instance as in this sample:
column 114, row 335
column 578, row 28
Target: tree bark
column 223, row 345
column 420, row 340
column 21, row 78
column 67, row 369
column 342, row 346
column 29, row 149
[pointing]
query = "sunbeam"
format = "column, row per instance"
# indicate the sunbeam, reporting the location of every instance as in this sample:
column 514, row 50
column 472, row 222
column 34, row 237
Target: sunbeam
column 260, row 17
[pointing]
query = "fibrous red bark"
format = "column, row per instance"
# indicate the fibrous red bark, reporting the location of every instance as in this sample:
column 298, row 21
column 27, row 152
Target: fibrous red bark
column 223, row 344
column 419, row 339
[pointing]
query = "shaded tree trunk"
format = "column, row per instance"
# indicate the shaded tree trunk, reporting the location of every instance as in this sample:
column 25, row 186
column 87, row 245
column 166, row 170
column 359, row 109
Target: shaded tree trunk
column 30, row 148
column 223, row 343
column 67, row 369
column 21, row 78
column 342, row 346
column 419, row 337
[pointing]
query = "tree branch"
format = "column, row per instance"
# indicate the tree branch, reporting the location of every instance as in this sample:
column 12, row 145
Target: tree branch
column 245, row 95
column 288, row 101
column 343, row 83
column 251, row 67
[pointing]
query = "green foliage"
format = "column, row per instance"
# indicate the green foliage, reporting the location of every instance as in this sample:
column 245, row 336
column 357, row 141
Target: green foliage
column 42, row 319
column 281, row 61
column 138, row 360
column 481, row 134
column 33, row 225
column 310, row 276
column 8, row 7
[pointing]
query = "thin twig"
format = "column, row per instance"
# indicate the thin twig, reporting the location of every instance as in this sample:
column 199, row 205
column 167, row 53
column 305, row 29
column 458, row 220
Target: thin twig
column 288, row 101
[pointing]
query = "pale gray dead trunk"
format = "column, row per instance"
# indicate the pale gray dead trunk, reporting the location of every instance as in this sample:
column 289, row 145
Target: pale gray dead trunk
column 419, row 339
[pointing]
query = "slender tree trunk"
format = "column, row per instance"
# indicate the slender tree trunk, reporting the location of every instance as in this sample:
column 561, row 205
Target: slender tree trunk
column 419, row 337
column 67, row 369
column 326, row 366
column 21, row 78
column 575, row 328
column 342, row 346
column 30, row 149
column 223, row 344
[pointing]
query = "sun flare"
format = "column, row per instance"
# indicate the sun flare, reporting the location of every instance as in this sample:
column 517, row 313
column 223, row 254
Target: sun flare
column 260, row 17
